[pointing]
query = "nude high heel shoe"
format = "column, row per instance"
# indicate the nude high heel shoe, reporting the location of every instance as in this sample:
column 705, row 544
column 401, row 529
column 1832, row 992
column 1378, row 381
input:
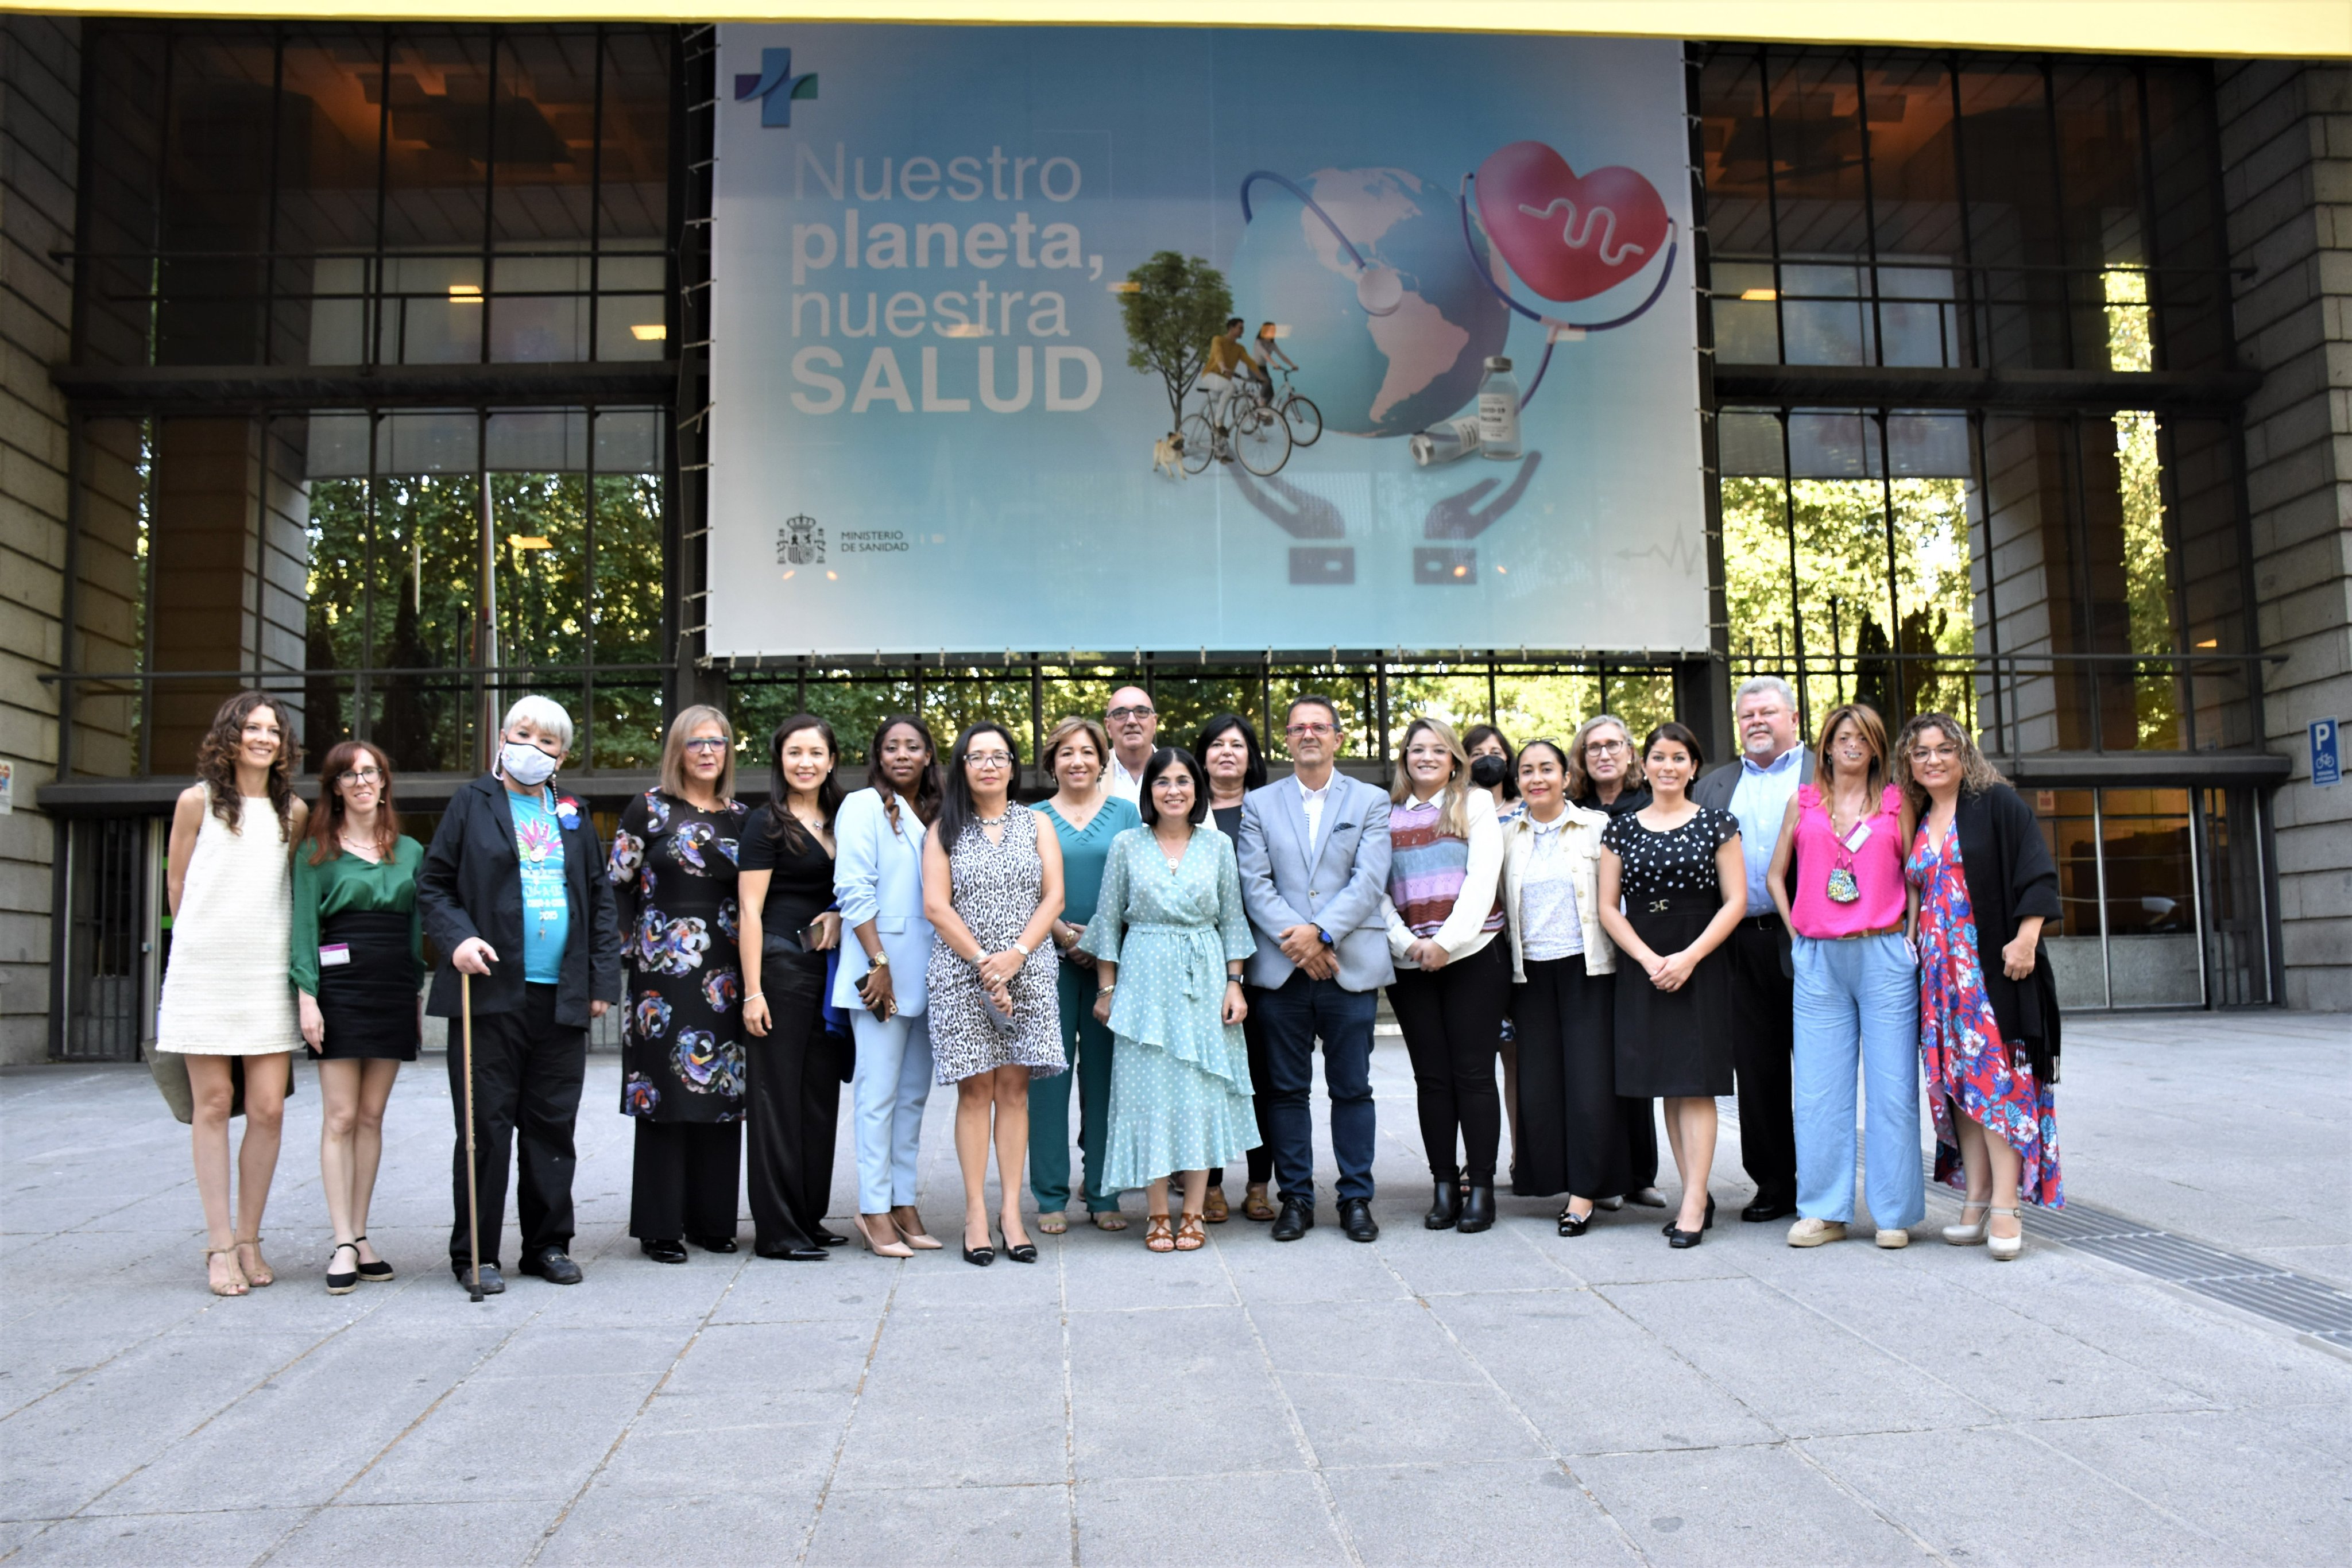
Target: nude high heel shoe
column 1969, row 1235
column 2004, row 1248
column 890, row 1246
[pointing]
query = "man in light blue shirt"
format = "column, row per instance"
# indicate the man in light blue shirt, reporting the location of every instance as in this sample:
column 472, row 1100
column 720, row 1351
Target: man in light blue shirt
column 1757, row 789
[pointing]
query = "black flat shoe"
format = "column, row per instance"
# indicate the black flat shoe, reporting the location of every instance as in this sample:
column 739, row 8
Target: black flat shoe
column 1025, row 1253
column 662, row 1251
column 1765, row 1209
column 1477, row 1211
column 552, row 1264
column 374, row 1273
column 1444, row 1206
column 827, row 1239
column 1679, row 1239
column 342, row 1284
column 493, row 1282
column 795, row 1254
column 714, row 1243
column 1572, row 1224
column 983, row 1256
column 1707, row 1224
column 1296, row 1218
column 1356, row 1221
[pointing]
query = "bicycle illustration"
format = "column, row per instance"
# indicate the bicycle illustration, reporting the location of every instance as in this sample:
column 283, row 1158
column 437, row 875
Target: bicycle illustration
column 1300, row 413
column 1230, row 426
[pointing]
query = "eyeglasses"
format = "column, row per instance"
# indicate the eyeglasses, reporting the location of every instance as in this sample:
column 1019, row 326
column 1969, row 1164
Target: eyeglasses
column 1172, row 782
column 988, row 759
column 361, row 776
column 707, row 743
column 1935, row 753
column 1306, row 729
column 1605, row 747
column 1117, row 714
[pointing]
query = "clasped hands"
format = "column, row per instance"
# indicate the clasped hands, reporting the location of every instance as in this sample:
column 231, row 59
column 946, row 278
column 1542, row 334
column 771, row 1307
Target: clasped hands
column 1304, row 946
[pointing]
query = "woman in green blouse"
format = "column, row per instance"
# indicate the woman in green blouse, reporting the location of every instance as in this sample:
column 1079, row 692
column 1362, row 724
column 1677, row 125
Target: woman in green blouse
column 358, row 964
column 1087, row 818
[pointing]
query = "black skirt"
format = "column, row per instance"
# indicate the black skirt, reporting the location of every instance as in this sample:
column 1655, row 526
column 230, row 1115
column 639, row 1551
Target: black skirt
column 1571, row 1124
column 1674, row 1044
column 368, row 1003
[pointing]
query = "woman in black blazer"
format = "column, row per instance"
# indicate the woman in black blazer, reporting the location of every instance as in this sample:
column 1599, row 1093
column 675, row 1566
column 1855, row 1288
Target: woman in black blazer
column 1983, row 884
column 513, row 894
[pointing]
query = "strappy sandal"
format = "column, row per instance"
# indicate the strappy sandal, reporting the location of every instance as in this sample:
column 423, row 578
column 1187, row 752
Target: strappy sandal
column 1190, row 1237
column 375, row 1274
column 1053, row 1224
column 342, row 1284
column 237, row 1285
column 1213, row 1209
column 1155, row 1234
column 262, row 1274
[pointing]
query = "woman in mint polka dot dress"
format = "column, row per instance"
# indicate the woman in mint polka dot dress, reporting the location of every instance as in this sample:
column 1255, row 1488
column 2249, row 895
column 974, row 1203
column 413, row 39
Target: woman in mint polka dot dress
column 1168, row 936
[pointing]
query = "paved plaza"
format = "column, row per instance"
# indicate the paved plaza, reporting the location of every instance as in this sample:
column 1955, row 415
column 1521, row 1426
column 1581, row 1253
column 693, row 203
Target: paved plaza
column 1511, row 1397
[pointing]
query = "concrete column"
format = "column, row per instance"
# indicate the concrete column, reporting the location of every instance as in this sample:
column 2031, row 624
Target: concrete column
column 2287, row 156
column 40, row 72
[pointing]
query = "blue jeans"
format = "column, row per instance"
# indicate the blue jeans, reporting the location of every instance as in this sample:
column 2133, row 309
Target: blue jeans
column 1297, row 1012
column 1858, row 998
column 888, row 1088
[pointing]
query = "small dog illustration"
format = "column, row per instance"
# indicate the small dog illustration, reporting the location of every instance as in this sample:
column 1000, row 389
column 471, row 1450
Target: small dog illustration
column 1168, row 456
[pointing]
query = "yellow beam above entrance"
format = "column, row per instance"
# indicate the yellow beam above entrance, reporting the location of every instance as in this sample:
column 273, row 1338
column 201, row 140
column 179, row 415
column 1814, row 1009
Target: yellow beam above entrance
column 2289, row 28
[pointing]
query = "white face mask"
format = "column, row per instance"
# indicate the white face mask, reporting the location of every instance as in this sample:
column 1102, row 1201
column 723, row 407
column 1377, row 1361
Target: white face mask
column 526, row 763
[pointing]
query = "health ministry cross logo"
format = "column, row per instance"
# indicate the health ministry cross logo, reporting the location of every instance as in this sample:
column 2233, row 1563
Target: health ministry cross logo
column 775, row 86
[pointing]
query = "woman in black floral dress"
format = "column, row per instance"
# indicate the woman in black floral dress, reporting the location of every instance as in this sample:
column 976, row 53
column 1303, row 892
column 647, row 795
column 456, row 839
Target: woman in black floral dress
column 673, row 870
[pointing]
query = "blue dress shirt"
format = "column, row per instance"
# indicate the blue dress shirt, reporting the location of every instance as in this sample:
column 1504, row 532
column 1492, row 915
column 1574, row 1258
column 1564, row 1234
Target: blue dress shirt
column 1760, row 800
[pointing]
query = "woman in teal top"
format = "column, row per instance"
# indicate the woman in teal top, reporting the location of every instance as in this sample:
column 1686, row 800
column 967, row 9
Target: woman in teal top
column 357, row 967
column 1087, row 818
column 1168, row 936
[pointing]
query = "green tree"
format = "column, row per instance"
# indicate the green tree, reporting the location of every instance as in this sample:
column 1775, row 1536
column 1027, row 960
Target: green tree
column 1172, row 307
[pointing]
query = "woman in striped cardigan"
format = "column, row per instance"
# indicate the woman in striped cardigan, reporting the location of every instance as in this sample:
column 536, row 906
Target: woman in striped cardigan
column 1454, row 979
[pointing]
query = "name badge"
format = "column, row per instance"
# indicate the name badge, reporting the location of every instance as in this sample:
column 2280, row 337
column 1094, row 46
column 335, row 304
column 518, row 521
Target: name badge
column 1854, row 840
column 334, row 953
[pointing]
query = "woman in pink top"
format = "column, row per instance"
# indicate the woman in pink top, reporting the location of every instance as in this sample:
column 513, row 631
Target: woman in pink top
column 1857, row 985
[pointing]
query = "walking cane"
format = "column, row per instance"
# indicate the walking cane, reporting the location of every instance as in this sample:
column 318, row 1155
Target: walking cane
column 473, row 1201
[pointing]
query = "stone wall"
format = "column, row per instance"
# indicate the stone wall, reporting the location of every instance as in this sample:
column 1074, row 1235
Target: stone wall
column 2286, row 157
column 40, row 76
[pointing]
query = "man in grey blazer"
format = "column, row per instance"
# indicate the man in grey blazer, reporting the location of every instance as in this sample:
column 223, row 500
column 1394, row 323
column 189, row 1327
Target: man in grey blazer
column 1773, row 765
column 1314, row 857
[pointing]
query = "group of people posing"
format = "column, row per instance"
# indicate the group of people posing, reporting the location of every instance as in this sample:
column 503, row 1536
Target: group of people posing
column 1170, row 932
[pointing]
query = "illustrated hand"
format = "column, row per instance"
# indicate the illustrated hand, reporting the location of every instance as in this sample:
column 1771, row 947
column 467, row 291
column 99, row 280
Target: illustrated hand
column 755, row 1016
column 1301, row 943
column 828, row 931
column 875, row 991
column 314, row 1022
column 1460, row 516
column 473, row 957
column 1301, row 514
column 996, row 970
column 2017, row 958
column 1237, row 1007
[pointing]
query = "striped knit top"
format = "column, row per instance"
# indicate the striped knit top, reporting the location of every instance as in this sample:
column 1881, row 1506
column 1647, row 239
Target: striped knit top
column 1427, row 868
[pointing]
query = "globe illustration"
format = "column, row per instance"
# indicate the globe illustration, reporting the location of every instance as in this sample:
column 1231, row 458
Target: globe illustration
column 1370, row 375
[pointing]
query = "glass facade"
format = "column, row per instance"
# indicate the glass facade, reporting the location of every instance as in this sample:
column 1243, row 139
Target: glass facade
column 386, row 396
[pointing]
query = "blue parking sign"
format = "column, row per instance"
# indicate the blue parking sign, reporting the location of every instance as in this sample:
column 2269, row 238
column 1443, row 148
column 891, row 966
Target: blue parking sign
column 2327, row 756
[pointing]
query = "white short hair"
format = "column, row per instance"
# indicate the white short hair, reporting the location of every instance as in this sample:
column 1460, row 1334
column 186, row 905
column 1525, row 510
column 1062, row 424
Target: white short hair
column 1773, row 684
column 546, row 715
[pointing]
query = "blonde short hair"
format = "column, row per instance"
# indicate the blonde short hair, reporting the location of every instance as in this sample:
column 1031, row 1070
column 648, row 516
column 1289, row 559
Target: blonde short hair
column 1077, row 724
column 673, row 761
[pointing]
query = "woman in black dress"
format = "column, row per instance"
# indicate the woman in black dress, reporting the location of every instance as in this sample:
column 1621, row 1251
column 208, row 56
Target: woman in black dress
column 1676, row 867
column 673, row 871
column 1227, row 748
column 797, row 1065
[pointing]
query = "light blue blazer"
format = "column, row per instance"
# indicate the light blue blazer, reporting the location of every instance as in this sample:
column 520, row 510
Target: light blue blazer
column 1340, row 888
column 877, row 875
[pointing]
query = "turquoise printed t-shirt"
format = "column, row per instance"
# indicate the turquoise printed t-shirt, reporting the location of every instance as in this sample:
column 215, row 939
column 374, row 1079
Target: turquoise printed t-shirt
column 546, row 903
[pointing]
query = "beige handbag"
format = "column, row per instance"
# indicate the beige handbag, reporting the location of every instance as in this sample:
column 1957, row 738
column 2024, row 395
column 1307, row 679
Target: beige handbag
column 170, row 1070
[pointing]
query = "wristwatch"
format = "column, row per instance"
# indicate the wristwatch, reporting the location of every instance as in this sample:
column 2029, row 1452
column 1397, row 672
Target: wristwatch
column 881, row 959
column 1326, row 936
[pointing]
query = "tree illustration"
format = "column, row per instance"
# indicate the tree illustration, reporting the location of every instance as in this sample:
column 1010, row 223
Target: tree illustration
column 1172, row 307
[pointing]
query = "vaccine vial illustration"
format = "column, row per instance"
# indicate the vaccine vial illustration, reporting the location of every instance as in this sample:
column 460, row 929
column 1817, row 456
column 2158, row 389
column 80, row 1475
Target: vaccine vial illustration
column 1499, row 411
column 1457, row 438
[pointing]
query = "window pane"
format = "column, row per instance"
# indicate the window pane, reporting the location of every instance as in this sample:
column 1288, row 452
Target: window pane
column 2151, row 898
column 213, row 226
column 1735, row 140
column 110, row 595
column 2013, row 222
column 2078, row 962
column 1915, row 209
column 330, row 119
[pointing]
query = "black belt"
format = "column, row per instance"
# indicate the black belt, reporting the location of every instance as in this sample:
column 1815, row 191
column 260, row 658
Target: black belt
column 1672, row 903
column 1761, row 922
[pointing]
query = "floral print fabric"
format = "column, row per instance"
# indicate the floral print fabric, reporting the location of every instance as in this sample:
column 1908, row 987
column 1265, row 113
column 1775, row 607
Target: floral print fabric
column 673, row 867
column 1967, row 1062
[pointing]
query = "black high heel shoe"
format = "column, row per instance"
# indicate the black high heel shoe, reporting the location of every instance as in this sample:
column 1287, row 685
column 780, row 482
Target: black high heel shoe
column 1026, row 1252
column 982, row 1255
column 1574, row 1224
column 1707, row 1224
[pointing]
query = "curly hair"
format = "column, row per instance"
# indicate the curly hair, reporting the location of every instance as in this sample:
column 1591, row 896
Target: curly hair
column 1977, row 775
column 216, row 757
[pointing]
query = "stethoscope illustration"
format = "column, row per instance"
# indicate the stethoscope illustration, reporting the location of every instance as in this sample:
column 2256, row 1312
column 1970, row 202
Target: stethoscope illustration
column 1379, row 288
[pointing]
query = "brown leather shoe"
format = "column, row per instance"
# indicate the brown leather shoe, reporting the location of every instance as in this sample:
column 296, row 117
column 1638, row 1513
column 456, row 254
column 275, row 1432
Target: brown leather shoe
column 1213, row 1209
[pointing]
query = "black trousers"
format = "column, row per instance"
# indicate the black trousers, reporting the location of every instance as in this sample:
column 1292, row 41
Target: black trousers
column 1640, row 1141
column 1571, row 1122
column 526, row 1074
column 1452, row 1023
column 1261, row 1158
column 683, row 1179
column 1763, row 1024
column 792, row 1105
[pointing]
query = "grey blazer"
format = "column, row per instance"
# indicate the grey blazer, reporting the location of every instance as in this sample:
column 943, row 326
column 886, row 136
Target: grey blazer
column 1339, row 891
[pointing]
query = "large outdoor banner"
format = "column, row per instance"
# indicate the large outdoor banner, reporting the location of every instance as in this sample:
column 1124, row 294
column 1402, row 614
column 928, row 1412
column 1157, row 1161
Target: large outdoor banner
column 962, row 273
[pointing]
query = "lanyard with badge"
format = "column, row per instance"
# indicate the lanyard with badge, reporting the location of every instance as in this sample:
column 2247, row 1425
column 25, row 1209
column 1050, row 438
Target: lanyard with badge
column 1841, row 886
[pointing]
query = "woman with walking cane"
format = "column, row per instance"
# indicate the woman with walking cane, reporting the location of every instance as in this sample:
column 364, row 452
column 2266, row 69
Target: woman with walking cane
column 513, row 894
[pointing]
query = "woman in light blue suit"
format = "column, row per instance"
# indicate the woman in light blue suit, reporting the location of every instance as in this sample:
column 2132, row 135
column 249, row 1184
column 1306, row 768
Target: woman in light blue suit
column 879, row 877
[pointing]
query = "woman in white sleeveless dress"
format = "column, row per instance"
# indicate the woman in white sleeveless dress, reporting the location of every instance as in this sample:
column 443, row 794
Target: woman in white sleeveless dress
column 226, row 993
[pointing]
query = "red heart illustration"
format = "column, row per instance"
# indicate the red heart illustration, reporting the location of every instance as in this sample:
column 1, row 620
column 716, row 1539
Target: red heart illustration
column 1569, row 238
